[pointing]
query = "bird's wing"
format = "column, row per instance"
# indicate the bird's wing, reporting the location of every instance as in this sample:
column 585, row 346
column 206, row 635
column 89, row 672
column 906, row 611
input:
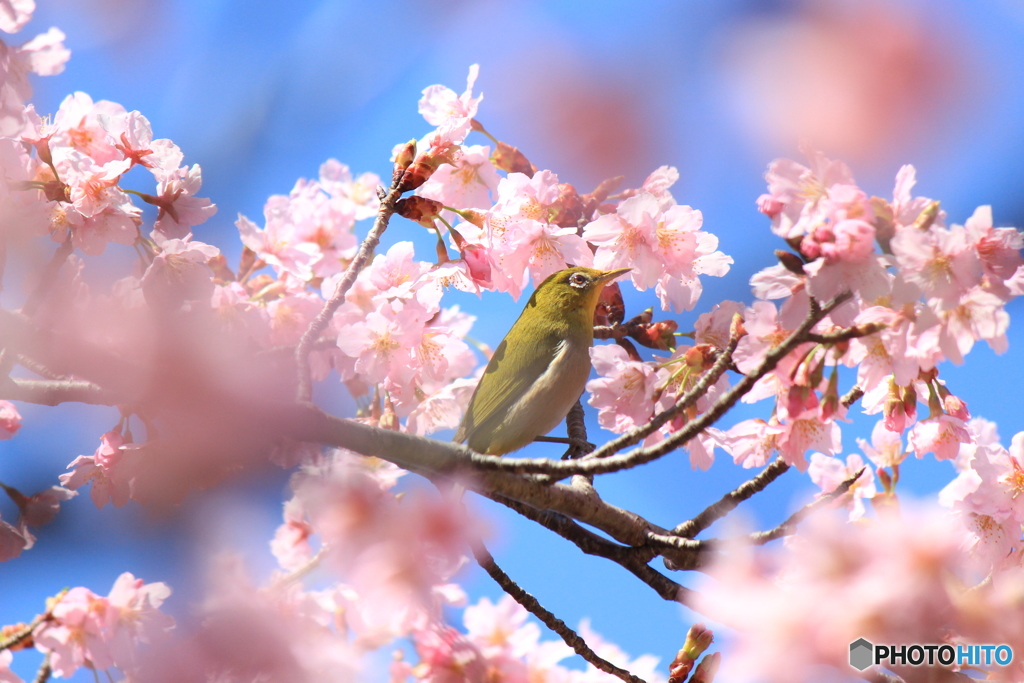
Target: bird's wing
column 506, row 380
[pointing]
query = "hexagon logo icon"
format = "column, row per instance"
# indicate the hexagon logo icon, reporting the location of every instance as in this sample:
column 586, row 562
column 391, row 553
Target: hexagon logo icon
column 861, row 654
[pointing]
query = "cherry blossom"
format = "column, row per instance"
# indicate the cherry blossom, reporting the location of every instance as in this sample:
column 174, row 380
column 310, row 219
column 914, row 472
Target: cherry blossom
column 110, row 471
column 14, row 14
column 663, row 248
column 623, row 393
column 829, row 472
column 10, row 420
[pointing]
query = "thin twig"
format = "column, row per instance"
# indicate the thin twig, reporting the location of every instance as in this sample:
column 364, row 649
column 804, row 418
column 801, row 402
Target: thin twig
column 729, row 501
column 789, row 526
column 592, row 544
column 323, row 318
column 43, row 674
column 638, row 434
column 571, row 638
column 19, row 636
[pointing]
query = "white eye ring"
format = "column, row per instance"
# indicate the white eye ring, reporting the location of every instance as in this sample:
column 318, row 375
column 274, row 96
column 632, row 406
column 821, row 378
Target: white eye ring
column 578, row 280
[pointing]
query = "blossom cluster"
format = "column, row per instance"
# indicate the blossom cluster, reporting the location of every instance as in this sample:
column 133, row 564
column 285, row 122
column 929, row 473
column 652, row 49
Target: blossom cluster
column 921, row 292
column 903, row 577
column 82, row 629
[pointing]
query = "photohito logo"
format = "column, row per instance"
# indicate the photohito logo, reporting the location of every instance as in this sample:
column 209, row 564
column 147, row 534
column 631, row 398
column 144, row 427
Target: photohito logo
column 863, row 654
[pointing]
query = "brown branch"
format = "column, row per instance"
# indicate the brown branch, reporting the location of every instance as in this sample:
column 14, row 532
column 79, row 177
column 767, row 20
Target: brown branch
column 323, row 318
column 789, row 526
column 45, row 670
column 571, row 638
column 729, row 501
column 442, row 459
column 19, row 636
column 49, row 392
column 592, row 544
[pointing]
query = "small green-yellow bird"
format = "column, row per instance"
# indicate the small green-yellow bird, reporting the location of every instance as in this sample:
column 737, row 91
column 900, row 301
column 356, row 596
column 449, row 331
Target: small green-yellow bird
column 541, row 366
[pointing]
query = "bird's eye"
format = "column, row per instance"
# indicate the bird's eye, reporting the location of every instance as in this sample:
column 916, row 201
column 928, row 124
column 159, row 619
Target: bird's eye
column 578, row 280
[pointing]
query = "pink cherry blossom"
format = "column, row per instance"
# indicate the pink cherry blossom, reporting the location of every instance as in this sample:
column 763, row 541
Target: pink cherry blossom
column 180, row 209
column 795, row 192
column 12, row 541
column 894, row 579
column 110, row 471
column 135, row 617
column 655, row 243
column 523, row 243
column 76, row 636
column 886, row 447
column 998, row 248
column 658, row 184
column 336, row 179
column 44, row 55
column 116, row 222
column 80, row 124
column 829, row 472
column 941, row 435
column 443, row 409
column 751, row 443
column 440, row 104
column 14, row 14
column 290, row 544
column 307, row 233
column 6, row 675
column 179, row 273
column 500, row 628
column 623, row 392
column 469, row 183
column 10, row 420
column 943, row 263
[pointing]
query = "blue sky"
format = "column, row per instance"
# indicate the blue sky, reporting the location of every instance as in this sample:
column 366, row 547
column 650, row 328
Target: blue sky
column 262, row 93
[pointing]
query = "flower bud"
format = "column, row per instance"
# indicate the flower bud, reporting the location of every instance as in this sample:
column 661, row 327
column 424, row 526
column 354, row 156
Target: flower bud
column 219, row 265
column 706, row 670
column 567, row 210
column 659, row 335
column 610, row 307
column 927, row 217
column 770, row 205
column 698, row 639
column 790, row 261
column 601, row 192
column 509, row 159
column 420, row 209
column 405, row 156
column 417, row 173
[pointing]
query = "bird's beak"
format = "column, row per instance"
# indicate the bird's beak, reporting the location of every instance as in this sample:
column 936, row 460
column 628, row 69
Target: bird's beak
column 609, row 275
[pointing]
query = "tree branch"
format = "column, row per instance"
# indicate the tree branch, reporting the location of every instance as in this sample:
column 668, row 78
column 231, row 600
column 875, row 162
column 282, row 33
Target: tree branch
column 571, row 638
column 729, row 501
column 638, row 434
column 789, row 526
column 323, row 318
column 591, row 544
column 49, row 392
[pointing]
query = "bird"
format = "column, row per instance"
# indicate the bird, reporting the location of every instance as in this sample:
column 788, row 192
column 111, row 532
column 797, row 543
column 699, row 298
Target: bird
column 540, row 368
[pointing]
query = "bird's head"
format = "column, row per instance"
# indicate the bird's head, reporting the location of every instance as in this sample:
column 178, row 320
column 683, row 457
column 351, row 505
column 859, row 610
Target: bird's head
column 573, row 289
